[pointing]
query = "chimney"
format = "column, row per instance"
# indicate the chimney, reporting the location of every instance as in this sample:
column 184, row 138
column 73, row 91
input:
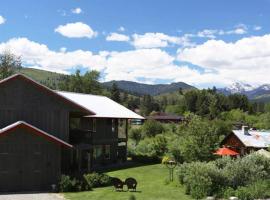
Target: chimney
column 245, row 130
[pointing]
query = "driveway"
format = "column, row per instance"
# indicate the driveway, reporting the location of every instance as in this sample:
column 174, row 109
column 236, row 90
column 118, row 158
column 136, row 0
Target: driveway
column 36, row 196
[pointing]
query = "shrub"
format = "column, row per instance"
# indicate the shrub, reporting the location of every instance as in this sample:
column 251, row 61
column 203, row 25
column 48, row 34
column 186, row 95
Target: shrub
column 227, row 177
column 200, row 179
column 257, row 190
column 151, row 128
column 165, row 159
column 135, row 134
column 96, row 180
column 67, row 184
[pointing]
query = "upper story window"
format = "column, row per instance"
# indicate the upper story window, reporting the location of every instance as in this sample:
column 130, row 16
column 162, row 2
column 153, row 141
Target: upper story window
column 113, row 125
column 94, row 124
column 75, row 123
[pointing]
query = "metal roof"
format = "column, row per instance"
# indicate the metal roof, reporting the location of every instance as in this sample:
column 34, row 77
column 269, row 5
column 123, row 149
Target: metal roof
column 257, row 139
column 103, row 106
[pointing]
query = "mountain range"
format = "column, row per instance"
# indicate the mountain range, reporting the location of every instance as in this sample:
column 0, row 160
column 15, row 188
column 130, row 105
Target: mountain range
column 143, row 89
column 253, row 92
column 257, row 92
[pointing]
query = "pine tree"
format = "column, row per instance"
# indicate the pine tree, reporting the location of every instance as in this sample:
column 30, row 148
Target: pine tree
column 115, row 93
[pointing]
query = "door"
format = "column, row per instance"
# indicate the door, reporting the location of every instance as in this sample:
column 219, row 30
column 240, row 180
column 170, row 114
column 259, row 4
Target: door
column 28, row 167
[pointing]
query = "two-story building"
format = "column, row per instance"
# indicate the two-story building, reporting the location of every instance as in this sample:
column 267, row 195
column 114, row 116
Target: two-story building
column 46, row 133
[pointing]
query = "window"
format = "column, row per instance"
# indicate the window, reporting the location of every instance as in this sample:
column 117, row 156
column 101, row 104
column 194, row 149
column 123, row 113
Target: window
column 94, row 125
column 97, row 152
column 107, row 153
column 113, row 125
column 75, row 123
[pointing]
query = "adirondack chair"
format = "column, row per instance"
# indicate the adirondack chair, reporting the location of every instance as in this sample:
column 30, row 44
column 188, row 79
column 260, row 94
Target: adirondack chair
column 118, row 184
column 131, row 183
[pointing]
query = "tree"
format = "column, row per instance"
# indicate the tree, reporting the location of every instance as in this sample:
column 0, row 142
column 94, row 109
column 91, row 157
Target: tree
column 151, row 128
column 199, row 140
column 87, row 83
column 9, row 63
column 90, row 82
column 191, row 100
column 115, row 93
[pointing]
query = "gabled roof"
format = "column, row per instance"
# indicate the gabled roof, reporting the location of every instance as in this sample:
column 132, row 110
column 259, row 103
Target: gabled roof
column 103, row 106
column 48, row 90
column 257, row 139
column 34, row 130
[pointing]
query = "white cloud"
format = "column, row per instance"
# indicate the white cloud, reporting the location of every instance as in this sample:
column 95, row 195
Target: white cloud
column 222, row 63
column 246, row 60
column 207, row 33
column 151, row 64
column 2, row 20
column 213, row 33
column 40, row 56
column 158, row 40
column 76, row 30
column 257, row 28
column 117, row 37
column 76, row 11
column 121, row 29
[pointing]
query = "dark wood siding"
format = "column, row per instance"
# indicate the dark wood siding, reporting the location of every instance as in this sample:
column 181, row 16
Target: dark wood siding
column 28, row 162
column 21, row 100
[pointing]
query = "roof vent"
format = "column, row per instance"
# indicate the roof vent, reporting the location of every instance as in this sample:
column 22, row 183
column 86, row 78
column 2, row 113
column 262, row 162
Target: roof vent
column 245, row 130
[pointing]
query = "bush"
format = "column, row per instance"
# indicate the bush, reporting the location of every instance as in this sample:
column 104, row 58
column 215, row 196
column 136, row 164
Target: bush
column 151, row 128
column 67, row 184
column 201, row 179
column 258, row 190
column 94, row 180
column 226, row 177
column 135, row 134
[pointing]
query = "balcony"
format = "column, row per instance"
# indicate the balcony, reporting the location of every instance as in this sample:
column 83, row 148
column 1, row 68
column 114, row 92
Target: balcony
column 79, row 136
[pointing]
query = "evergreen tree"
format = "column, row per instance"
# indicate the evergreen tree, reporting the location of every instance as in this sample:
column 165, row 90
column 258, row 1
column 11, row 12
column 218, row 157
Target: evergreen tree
column 115, row 93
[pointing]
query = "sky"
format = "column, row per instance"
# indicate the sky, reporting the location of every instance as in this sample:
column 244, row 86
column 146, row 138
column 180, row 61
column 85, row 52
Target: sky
column 201, row 42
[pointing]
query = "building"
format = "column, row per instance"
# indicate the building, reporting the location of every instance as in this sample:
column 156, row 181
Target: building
column 166, row 118
column 245, row 141
column 46, row 133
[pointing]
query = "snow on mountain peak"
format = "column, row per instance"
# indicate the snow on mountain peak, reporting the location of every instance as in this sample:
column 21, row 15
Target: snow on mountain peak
column 239, row 87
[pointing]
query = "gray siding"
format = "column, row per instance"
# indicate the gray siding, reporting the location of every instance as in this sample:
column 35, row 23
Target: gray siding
column 28, row 162
column 20, row 100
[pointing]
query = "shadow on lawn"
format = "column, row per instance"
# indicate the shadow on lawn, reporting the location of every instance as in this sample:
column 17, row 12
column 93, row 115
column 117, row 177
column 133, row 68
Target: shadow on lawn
column 119, row 166
column 137, row 191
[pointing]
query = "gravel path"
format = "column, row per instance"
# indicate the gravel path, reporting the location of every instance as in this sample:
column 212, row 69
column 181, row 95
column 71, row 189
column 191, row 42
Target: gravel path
column 37, row 196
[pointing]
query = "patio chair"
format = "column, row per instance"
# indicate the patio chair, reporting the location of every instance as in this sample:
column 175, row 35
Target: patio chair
column 118, row 184
column 131, row 183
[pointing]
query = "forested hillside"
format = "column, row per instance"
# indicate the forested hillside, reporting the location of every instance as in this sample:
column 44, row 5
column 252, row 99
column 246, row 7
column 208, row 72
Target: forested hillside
column 143, row 89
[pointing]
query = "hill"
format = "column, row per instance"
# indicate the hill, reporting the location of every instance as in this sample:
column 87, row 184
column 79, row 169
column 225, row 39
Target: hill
column 51, row 79
column 142, row 89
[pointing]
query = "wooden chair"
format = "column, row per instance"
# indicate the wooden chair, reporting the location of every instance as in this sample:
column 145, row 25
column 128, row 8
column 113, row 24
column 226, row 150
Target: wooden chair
column 118, row 184
column 131, row 183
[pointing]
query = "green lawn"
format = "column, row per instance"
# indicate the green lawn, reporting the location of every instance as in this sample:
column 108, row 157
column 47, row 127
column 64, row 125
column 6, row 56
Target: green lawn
column 151, row 185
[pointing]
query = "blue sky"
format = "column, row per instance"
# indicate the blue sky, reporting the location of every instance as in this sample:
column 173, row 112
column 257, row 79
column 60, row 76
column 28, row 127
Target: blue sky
column 203, row 43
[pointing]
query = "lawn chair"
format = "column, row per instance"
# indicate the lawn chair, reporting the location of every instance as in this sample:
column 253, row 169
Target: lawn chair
column 131, row 183
column 118, row 184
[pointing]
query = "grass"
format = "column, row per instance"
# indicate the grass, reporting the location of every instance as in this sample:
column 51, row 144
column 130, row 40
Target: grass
column 151, row 186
